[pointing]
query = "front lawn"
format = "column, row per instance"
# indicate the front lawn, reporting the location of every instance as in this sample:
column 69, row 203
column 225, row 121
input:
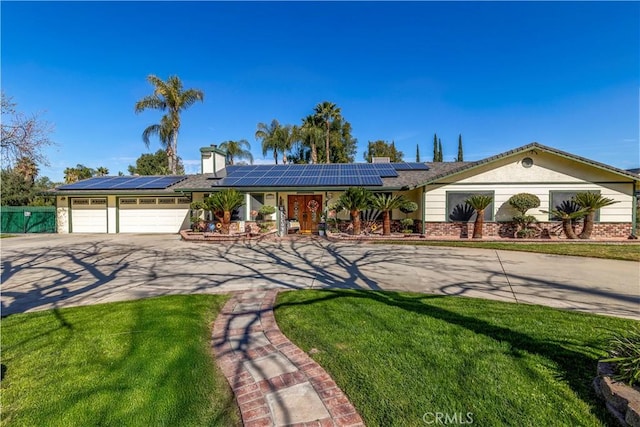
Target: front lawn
column 402, row 358
column 623, row 251
column 137, row 363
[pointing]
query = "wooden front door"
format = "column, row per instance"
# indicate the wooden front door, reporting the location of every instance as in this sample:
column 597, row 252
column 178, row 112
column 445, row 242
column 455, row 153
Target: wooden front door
column 306, row 209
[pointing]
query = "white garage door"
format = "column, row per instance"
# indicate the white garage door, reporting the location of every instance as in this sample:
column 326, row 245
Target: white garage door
column 153, row 214
column 89, row 215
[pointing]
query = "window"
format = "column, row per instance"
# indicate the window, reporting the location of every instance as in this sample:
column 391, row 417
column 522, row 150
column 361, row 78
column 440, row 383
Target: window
column 98, row 201
column 563, row 200
column 80, row 201
column 147, row 201
column 256, row 201
column 458, row 210
column 166, row 200
column 129, row 201
column 184, row 200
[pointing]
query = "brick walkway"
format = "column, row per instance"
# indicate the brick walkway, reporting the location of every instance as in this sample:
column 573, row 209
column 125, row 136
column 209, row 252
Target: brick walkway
column 275, row 383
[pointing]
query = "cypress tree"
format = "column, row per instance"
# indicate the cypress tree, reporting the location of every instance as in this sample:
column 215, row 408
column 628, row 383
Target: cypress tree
column 417, row 153
column 460, row 155
column 439, row 150
column 435, row 147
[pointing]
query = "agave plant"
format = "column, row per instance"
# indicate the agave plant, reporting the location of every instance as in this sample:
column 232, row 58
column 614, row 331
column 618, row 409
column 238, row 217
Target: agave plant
column 222, row 203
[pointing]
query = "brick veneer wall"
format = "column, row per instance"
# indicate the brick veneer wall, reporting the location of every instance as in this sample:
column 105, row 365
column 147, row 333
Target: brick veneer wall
column 508, row 230
column 464, row 230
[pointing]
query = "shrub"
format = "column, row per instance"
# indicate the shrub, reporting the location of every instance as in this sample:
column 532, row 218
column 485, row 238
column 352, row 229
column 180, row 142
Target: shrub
column 266, row 210
column 624, row 352
column 522, row 202
column 407, row 224
column 409, row 207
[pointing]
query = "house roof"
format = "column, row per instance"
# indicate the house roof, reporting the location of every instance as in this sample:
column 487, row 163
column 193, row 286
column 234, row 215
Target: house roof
column 388, row 176
column 457, row 167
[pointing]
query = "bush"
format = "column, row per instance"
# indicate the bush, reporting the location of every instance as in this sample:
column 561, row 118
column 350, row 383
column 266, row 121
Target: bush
column 266, row 210
column 522, row 202
column 407, row 224
column 409, row 207
column 624, row 352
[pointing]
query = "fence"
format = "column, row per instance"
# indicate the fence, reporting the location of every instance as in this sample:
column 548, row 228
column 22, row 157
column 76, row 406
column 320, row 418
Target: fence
column 28, row 219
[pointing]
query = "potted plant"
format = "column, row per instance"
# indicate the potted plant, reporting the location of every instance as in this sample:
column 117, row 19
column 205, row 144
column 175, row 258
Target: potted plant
column 321, row 228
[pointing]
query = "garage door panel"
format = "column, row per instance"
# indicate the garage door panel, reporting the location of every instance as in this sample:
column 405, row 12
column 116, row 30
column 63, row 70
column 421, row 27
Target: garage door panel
column 152, row 220
column 89, row 215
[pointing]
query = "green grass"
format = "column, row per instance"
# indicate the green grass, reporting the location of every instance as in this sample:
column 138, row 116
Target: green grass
column 137, row 363
column 623, row 251
column 4, row 236
column 399, row 356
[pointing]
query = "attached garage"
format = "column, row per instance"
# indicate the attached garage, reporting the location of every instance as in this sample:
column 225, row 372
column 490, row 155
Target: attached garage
column 88, row 215
column 148, row 214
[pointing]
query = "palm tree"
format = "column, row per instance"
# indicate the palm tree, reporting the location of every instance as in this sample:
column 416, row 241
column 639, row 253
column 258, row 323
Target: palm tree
column 386, row 203
column 311, row 134
column 590, row 202
column 237, row 150
column 354, row 200
column 27, row 168
column 169, row 96
column 567, row 213
column 479, row 202
column 269, row 136
column 222, row 203
column 163, row 131
column 286, row 137
column 327, row 112
column 102, row 171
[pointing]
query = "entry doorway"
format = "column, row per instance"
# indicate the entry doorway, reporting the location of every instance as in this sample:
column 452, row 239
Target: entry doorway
column 307, row 210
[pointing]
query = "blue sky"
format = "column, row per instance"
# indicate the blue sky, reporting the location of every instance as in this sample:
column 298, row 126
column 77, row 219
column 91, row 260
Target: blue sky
column 503, row 74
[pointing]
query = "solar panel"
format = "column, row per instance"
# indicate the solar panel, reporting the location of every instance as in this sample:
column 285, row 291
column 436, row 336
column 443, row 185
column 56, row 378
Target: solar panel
column 405, row 166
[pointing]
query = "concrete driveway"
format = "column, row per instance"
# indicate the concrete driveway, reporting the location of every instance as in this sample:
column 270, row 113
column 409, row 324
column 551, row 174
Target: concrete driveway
column 46, row 271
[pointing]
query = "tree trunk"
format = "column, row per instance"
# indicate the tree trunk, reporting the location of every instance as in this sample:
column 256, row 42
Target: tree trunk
column 587, row 228
column 314, row 153
column 173, row 162
column 477, row 226
column 226, row 222
column 327, row 143
column 567, row 227
column 386, row 223
column 355, row 219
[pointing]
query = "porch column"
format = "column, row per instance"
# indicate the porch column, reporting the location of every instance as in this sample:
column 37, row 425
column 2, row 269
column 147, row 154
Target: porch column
column 247, row 204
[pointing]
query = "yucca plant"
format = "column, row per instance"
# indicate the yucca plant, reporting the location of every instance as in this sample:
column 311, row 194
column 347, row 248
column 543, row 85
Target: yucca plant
column 479, row 202
column 355, row 200
column 385, row 203
column 590, row 202
column 222, row 203
column 624, row 353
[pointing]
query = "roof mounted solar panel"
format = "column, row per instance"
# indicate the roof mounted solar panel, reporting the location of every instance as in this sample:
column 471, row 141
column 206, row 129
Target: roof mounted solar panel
column 405, row 166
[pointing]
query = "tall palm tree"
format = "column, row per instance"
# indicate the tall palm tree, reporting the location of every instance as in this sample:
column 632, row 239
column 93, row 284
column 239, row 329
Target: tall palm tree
column 385, row 203
column 102, row 171
column 311, row 133
column 237, row 150
column 222, row 203
column 27, row 168
column 169, row 96
column 163, row 131
column 354, row 200
column 590, row 202
column 286, row 137
column 327, row 112
column 269, row 136
column 479, row 202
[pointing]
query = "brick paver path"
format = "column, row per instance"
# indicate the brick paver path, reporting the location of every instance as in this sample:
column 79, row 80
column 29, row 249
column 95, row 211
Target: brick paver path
column 275, row 383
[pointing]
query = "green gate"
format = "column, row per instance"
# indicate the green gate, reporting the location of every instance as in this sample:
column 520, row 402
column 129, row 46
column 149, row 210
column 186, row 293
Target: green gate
column 28, row 219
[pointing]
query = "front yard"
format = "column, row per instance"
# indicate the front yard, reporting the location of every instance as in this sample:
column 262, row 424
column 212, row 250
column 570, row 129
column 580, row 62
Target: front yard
column 401, row 357
column 145, row 362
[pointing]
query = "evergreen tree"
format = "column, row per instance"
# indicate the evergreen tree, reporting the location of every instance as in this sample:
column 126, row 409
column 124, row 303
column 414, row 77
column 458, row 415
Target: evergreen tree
column 381, row 148
column 460, row 155
column 417, row 153
column 439, row 150
column 435, row 147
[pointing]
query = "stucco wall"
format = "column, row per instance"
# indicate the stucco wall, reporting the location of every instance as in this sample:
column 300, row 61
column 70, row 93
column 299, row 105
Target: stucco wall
column 62, row 212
